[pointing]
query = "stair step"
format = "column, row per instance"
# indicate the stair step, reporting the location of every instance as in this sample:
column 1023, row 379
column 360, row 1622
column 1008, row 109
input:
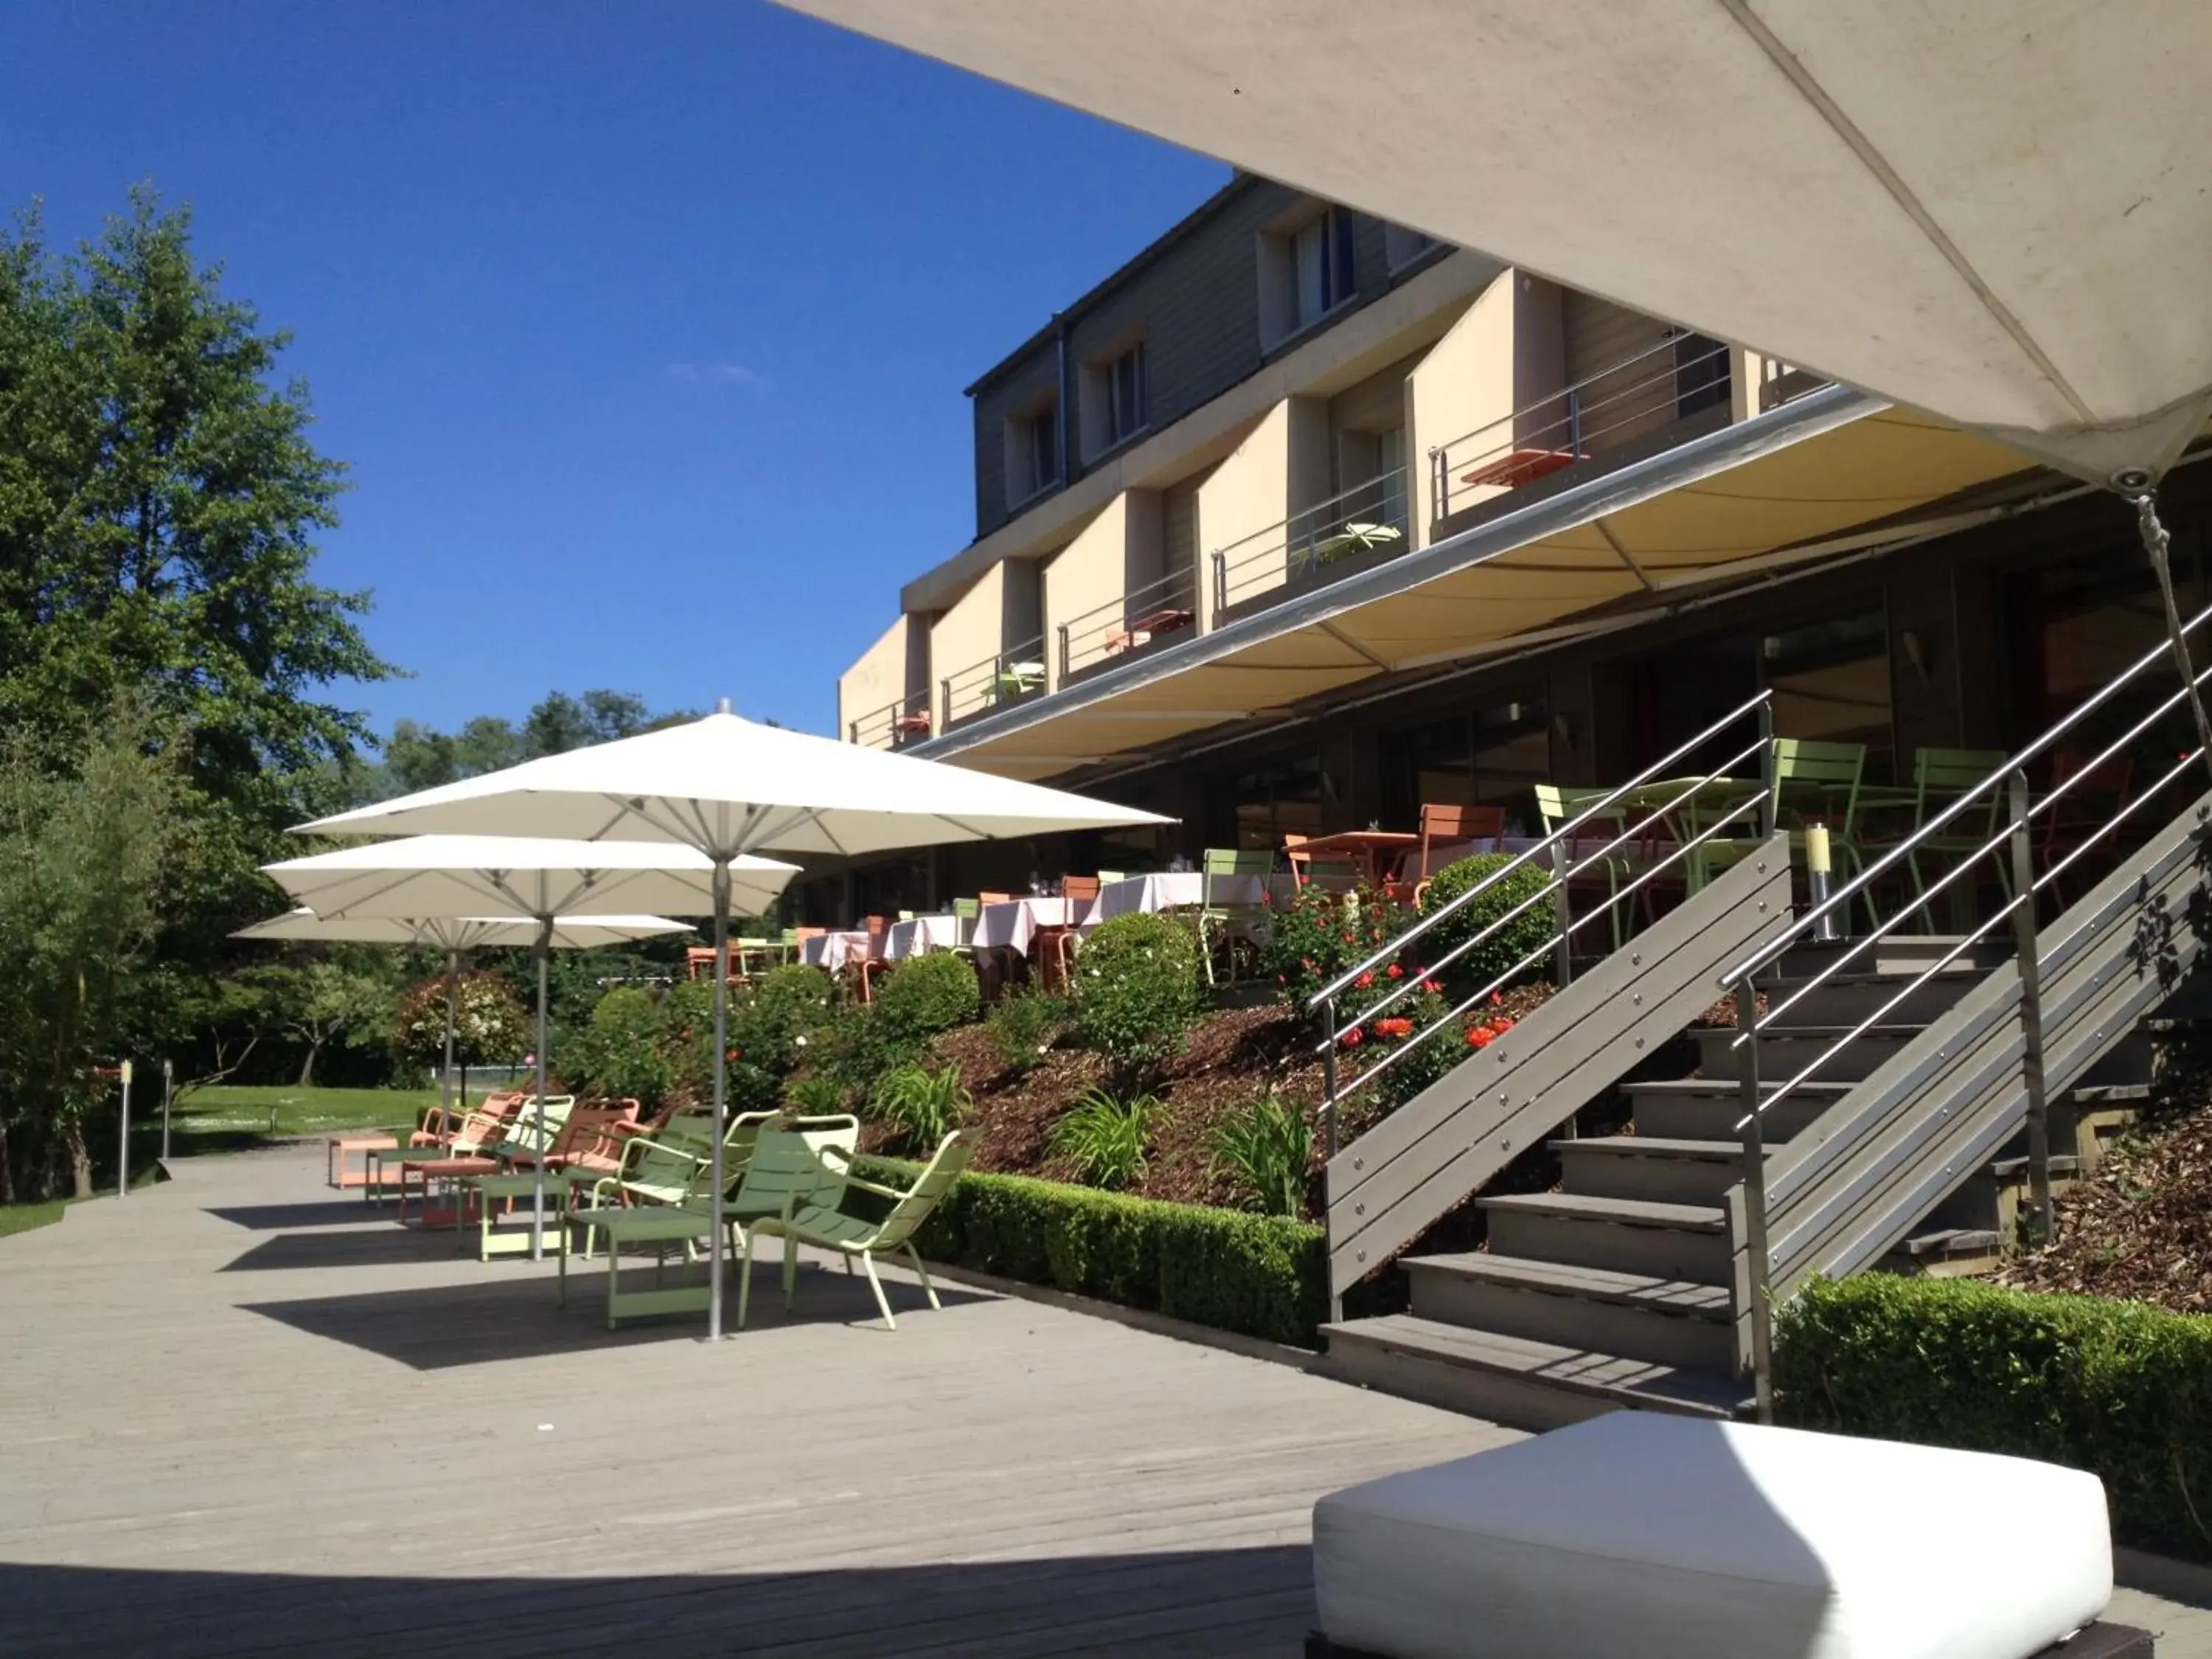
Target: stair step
column 1836, row 1054
column 1850, row 998
column 1664, row 1321
column 1513, row 1380
column 1623, row 1235
column 1894, row 955
column 1672, row 1171
column 1706, row 1108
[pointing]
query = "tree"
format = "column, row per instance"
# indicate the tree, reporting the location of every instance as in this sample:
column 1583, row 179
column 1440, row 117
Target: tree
column 85, row 856
column 334, row 999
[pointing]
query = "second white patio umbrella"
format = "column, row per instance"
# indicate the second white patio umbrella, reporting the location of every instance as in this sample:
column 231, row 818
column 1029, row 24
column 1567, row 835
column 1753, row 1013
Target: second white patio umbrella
column 726, row 787
column 453, row 935
column 545, row 879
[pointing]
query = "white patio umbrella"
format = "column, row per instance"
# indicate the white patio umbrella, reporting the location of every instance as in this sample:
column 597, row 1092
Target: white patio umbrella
column 726, row 787
column 453, row 935
column 545, row 879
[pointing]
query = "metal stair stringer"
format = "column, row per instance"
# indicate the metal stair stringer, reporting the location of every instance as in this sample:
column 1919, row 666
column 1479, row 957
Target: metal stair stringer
column 1404, row 1174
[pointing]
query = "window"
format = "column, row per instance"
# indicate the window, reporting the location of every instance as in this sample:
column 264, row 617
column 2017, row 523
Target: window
column 1401, row 246
column 1032, row 451
column 1830, row 681
column 1390, row 477
column 1305, row 272
column 1111, row 407
column 1489, row 755
column 1125, row 393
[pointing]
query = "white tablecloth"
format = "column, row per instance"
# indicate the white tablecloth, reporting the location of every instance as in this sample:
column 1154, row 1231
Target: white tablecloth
column 1444, row 852
column 923, row 934
column 1174, row 890
column 1011, row 925
column 834, row 952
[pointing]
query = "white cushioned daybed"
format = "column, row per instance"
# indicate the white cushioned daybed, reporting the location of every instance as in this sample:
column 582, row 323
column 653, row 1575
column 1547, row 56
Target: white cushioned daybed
column 1637, row 1535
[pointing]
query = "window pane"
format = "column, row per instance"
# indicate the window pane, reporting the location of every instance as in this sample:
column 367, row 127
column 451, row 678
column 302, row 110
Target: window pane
column 1830, row 681
column 1310, row 261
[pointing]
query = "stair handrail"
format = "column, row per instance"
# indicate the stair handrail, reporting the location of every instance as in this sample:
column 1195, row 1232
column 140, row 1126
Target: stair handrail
column 2019, row 910
column 1762, row 703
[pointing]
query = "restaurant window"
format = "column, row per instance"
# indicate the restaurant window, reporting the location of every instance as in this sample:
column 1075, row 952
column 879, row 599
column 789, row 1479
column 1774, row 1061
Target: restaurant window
column 1831, row 682
column 1492, row 755
column 1306, row 271
column 1032, row 451
column 1272, row 801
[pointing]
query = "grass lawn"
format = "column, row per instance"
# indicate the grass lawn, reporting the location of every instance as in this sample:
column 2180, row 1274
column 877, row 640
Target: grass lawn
column 275, row 1111
column 21, row 1217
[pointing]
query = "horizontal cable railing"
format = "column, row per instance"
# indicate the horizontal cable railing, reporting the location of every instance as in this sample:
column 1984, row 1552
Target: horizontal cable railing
column 1370, row 516
column 1167, row 605
column 1008, row 676
column 1644, row 392
column 906, row 720
column 1682, row 818
column 2000, row 850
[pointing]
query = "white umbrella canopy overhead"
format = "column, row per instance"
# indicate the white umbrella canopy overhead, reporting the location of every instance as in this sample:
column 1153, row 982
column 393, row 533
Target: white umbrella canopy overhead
column 727, row 788
column 459, row 933
column 422, row 877
column 729, row 785
column 462, row 875
column 1993, row 213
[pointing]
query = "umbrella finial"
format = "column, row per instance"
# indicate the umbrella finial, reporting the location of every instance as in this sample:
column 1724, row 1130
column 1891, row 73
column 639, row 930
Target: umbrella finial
column 722, row 705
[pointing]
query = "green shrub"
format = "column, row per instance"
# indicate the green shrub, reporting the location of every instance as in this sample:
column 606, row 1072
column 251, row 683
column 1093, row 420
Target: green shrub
column 852, row 1048
column 1260, row 1276
column 1267, row 1144
column 923, row 1105
column 1139, row 979
column 926, row 994
column 623, row 1052
column 768, row 1017
column 1318, row 933
column 1102, row 1138
column 1022, row 1027
column 1527, row 934
column 2121, row 1389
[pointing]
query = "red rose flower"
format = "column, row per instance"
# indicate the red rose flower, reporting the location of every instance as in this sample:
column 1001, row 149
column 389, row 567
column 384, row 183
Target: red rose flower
column 1431, row 986
column 1479, row 1037
column 1396, row 972
column 1350, row 1039
column 1501, row 1025
column 1364, row 980
column 1396, row 1026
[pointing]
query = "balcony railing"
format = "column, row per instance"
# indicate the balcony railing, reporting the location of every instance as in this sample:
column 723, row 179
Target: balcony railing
column 1645, row 391
column 1367, row 518
column 1014, row 673
column 894, row 725
column 1168, row 605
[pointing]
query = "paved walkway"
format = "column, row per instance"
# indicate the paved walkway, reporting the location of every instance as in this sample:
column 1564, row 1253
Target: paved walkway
column 241, row 1414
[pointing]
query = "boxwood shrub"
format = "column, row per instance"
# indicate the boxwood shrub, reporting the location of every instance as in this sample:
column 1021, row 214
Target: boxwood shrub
column 926, row 994
column 1263, row 1276
column 1138, row 990
column 1528, row 932
column 2120, row 1388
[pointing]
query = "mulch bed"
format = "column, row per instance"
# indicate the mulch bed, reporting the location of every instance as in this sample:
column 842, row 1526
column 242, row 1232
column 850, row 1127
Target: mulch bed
column 2141, row 1227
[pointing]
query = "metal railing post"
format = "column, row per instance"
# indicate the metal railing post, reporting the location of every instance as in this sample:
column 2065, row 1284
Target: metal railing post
column 1328, row 1081
column 1770, row 784
column 1439, row 485
column 1064, row 669
column 1563, row 967
column 1220, row 586
column 1756, row 1265
column 2030, row 1009
column 1575, row 422
column 944, row 701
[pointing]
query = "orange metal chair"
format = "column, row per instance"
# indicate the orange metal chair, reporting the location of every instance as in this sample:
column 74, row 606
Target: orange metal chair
column 1055, row 947
column 1443, row 826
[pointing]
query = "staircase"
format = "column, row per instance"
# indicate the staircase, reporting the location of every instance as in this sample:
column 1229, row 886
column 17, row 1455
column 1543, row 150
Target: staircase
column 1899, row 1079
column 1615, row 1289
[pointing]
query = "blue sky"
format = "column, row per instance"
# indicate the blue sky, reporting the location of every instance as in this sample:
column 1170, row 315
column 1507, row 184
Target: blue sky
column 644, row 329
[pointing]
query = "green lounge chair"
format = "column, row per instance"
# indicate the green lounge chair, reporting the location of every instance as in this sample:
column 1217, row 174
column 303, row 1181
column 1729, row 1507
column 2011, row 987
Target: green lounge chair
column 793, row 1161
column 804, row 1221
column 1220, row 922
column 669, row 1166
column 583, row 1131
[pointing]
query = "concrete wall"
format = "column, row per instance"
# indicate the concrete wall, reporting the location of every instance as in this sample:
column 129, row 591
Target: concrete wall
column 1468, row 382
column 877, row 680
column 968, row 633
column 1091, row 571
column 1247, row 493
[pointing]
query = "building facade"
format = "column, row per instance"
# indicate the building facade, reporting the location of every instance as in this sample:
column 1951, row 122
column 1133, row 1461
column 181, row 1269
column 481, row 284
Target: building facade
column 1299, row 521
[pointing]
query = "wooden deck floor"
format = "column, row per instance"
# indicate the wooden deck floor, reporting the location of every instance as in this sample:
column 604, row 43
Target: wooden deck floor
column 241, row 1414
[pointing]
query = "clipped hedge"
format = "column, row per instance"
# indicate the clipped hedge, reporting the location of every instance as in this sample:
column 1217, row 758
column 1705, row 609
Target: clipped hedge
column 2120, row 1388
column 1263, row 1276
column 1507, row 950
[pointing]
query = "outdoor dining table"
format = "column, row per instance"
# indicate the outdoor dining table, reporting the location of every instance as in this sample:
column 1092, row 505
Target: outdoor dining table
column 1372, row 849
column 1013, row 923
column 919, row 934
column 1174, row 890
column 834, row 952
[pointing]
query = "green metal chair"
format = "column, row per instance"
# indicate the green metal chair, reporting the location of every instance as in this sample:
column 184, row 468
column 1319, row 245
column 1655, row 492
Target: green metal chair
column 1220, row 922
column 1817, row 782
column 790, row 1163
column 1939, row 776
column 827, row 1227
column 1557, row 806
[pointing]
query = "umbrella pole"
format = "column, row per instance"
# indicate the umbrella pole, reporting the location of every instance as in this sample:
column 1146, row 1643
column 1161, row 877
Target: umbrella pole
column 538, row 1205
column 446, row 1076
column 721, row 1083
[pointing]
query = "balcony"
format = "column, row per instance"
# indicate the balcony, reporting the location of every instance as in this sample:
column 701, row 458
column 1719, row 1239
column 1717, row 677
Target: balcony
column 1108, row 633
column 895, row 724
column 1355, row 526
column 1013, row 675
